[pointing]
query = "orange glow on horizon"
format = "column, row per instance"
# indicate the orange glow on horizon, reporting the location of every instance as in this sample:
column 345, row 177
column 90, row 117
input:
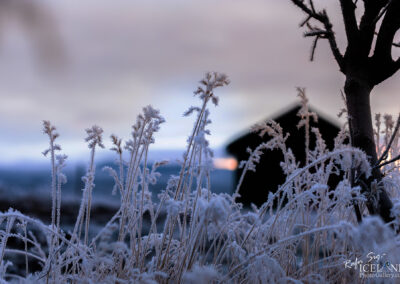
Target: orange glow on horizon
column 230, row 164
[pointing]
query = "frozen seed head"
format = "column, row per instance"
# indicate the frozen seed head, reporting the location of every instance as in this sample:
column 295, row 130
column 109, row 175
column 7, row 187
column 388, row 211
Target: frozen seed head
column 270, row 127
column 146, row 124
column 211, row 81
column 302, row 95
column 117, row 144
column 50, row 130
column 94, row 136
column 150, row 116
column 151, row 113
column 61, row 160
column 304, row 112
column 130, row 145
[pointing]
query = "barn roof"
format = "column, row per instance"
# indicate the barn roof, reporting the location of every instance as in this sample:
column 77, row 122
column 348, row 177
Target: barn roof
column 288, row 120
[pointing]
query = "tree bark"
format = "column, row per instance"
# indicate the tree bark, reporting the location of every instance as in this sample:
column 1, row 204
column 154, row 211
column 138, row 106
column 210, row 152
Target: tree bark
column 362, row 136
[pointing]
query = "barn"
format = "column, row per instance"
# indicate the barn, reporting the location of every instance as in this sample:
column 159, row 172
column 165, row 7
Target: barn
column 269, row 175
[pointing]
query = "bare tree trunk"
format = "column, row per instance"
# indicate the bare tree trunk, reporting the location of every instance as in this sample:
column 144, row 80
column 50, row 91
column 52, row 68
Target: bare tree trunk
column 361, row 131
column 365, row 65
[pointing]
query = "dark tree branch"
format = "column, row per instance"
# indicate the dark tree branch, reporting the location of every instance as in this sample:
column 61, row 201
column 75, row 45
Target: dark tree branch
column 312, row 5
column 308, row 11
column 305, row 21
column 350, row 21
column 386, row 152
column 383, row 11
column 395, row 44
column 317, row 34
column 315, row 31
column 390, row 25
column 328, row 33
column 389, row 162
column 367, row 25
column 383, row 65
column 314, row 47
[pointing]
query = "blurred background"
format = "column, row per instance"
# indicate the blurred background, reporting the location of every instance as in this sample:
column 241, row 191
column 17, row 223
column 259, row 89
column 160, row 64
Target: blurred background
column 79, row 63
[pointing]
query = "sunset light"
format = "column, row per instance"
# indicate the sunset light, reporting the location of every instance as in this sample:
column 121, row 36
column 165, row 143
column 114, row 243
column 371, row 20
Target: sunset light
column 226, row 164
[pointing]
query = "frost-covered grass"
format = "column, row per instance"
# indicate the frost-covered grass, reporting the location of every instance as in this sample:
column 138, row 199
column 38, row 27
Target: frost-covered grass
column 304, row 233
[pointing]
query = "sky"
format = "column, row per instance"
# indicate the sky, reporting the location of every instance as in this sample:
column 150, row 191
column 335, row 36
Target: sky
column 79, row 63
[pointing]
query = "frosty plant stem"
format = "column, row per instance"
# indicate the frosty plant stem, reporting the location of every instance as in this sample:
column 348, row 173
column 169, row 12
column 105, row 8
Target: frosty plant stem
column 305, row 115
column 205, row 92
column 131, row 177
column 90, row 178
column 189, row 150
column 61, row 179
column 142, row 136
column 142, row 203
column 95, row 139
column 118, row 149
column 50, row 130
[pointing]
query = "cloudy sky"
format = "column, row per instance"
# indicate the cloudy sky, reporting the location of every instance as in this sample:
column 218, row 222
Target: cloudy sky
column 79, row 63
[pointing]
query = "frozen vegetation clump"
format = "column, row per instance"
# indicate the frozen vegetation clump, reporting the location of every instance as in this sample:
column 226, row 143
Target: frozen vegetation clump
column 306, row 232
